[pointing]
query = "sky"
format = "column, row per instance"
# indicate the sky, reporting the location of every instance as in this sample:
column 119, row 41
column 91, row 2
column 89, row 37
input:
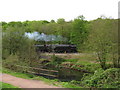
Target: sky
column 22, row 10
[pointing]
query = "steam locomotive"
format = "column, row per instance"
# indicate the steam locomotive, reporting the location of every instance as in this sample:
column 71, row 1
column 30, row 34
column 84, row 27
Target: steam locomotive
column 56, row 48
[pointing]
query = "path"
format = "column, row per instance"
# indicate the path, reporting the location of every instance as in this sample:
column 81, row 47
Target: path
column 24, row 83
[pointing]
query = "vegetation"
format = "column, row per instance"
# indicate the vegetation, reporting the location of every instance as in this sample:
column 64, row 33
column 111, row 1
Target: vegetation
column 103, row 39
column 109, row 78
column 96, row 40
column 5, row 85
column 55, row 82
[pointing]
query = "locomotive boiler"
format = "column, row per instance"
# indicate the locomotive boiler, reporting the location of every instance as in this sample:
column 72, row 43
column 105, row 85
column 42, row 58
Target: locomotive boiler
column 56, row 48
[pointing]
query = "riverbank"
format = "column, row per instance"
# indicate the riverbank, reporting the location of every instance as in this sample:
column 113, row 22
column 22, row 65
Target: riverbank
column 93, row 75
column 54, row 82
column 24, row 83
column 109, row 78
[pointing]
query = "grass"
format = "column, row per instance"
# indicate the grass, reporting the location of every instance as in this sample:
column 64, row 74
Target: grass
column 88, row 61
column 17, row 74
column 81, row 61
column 81, row 64
column 55, row 82
column 6, row 85
column 89, row 57
column 71, row 60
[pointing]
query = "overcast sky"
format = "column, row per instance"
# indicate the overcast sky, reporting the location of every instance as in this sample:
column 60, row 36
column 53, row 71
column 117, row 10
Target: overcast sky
column 22, row 10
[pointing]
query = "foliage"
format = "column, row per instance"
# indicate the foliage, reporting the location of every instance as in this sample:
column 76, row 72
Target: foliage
column 103, row 40
column 16, row 44
column 61, row 21
column 56, row 61
column 75, row 82
column 88, row 67
column 109, row 78
column 98, row 36
column 10, row 61
column 69, row 85
column 12, row 40
column 79, row 32
column 63, row 28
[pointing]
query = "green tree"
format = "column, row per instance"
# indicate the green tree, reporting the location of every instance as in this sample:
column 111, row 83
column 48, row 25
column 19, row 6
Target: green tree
column 103, row 40
column 61, row 21
column 52, row 21
column 16, row 43
column 79, row 32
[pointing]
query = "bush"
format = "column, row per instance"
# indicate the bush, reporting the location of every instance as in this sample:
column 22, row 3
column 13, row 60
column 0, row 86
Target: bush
column 15, row 43
column 10, row 61
column 56, row 61
column 109, row 78
column 75, row 82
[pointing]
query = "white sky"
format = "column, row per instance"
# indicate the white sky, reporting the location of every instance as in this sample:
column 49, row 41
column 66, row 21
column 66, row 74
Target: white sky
column 21, row 10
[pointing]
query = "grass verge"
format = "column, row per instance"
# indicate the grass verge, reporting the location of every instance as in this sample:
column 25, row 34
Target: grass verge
column 6, row 85
column 55, row 82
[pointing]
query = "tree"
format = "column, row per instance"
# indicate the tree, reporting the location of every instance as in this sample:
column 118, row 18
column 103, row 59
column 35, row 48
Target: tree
column 52, row 21
column 4, row 25
column 103, row 40
column 16, row 43
column 61, row 21
column 79, row 32
column 12, row 39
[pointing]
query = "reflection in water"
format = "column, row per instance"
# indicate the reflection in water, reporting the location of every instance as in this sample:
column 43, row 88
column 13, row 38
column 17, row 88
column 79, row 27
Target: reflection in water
column 68, row 75
column 64, row 74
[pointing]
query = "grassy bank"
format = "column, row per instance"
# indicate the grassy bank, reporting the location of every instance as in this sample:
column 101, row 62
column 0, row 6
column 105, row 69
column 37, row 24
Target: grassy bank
column 109, row 78
column 77, row 61
column 6, row 85
column 55, row 82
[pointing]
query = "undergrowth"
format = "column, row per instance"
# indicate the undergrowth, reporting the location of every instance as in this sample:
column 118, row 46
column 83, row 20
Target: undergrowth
column 109, row 78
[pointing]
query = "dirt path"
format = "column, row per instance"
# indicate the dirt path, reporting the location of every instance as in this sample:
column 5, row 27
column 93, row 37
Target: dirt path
column 24, row 83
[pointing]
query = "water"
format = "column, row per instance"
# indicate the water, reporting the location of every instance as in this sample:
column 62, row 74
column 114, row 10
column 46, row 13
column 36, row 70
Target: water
column 68, row 74
column 65, row 74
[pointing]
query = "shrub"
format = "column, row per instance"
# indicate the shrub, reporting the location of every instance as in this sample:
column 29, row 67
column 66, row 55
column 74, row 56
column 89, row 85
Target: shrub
column 75, row 82
column 109, row 78
column 56, row 61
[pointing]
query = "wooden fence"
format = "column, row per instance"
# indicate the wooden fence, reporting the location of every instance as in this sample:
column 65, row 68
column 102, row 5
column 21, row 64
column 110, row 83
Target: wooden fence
column 41, row 71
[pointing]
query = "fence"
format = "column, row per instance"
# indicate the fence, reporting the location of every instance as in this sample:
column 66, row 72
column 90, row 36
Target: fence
column 39, row 71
